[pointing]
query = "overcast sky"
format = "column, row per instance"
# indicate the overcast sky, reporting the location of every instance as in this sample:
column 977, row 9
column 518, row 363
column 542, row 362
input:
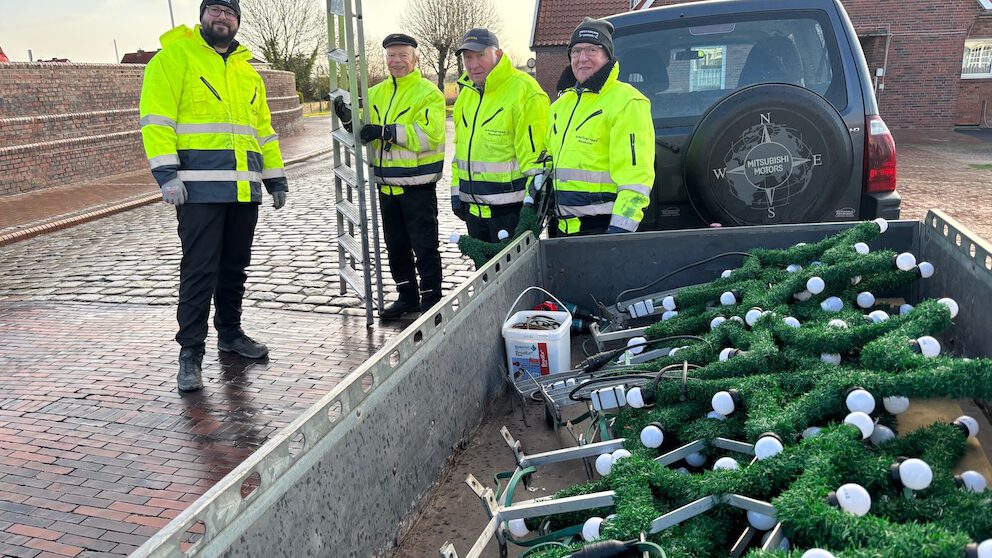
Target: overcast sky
column 84, row 30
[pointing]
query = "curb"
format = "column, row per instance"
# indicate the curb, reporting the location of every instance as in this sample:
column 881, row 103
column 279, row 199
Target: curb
column 67, row 222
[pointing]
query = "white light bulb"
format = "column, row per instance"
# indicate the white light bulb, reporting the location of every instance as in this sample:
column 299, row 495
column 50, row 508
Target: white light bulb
column 528, row 200
column 619, row 454
column 761, row 521
column 682, row 471
column 895, row 404
column 866, row 299
column 803, row 296
column 767, row 446
column 915, row 474
column 985, row 549
column 668, row 315
column 859, row 400
column 815, row 263
column 798, row 244
column 905, row 261
column 590, row 529
column 878, row 316
column 969, row 424
column 973, row 481
column 726, row 273
column 861, row 248
column 855, row 280
column 817, row 553
column 652, row 437
column 905, row 309
column 881, row 434
column 883, row 225
column 715, row 416
column 518, row 528
column 695, row 459
column 726, row 464
column 951, row 305
column 668, row 303
column 675, row 350
column 752, row 316
column 926, row 269
column 454, row 238
column 811, row 432
column 604, row 464
column 723, row 403
column 839, row 324
column 854, row 499
column 794, row 268
column 715, row 322
column 830, row 358
column 816, row 285
column 863, row 423
column 634, row 398
column 728, row 299
column 832, row 304
column 929, row 347
column 726, row 353
column 791, row 321
column 633, row 342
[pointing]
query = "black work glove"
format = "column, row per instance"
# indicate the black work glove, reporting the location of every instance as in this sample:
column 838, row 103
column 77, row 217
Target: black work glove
column 342, row 110
column 389, row 133
column 370, row 132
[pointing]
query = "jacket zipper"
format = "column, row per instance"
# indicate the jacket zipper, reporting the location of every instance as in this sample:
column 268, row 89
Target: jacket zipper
column 578, row 99
column 491, row 117
column 383, row 123
column 254, row 96
column 530, row 134
column 633, row 151
column 211, row 88
column 588, row 118
column 471, row 136
column 397, row 117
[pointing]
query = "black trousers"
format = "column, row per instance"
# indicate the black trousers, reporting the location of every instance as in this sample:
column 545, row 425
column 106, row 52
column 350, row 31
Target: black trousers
column 216, row 240
column 409, row 225
column 504, row 217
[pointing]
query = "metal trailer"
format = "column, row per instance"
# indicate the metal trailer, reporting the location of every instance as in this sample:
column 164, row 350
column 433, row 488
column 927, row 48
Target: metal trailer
column 373, row 448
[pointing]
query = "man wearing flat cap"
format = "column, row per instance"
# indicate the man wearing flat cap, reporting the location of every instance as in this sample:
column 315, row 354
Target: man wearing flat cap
column 210, row 144
column 500, row 120
column 406, row 134
column 601, row 140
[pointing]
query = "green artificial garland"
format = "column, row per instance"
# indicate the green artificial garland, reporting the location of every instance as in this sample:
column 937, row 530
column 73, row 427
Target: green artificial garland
column 481, row 252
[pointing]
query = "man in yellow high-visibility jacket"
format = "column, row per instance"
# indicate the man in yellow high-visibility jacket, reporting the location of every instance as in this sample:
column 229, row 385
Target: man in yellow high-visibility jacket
column 601, row 140
column 210, row 144
column 406, row 131
column 500, row 120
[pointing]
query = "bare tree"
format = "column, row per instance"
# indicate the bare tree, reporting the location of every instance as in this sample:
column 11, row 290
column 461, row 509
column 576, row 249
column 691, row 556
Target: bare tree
column 439, row 26
column 289, row 34
column 375, row 61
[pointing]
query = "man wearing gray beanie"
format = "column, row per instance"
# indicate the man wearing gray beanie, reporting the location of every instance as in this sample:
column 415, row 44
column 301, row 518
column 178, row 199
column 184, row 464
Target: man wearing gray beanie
column 601, row 140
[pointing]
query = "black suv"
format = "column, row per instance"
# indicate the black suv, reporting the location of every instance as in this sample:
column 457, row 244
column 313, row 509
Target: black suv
column 764, row 113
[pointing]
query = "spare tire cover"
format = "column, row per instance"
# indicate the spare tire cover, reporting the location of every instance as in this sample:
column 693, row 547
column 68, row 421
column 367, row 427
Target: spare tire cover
column 768, row 154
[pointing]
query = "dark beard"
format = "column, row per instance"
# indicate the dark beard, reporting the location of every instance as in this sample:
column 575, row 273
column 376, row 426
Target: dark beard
column 214, row 39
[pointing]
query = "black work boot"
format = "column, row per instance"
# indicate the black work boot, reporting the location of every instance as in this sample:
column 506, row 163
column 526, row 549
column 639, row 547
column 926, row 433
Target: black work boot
column 244, row 346
column 396, row 309
column 190, row 370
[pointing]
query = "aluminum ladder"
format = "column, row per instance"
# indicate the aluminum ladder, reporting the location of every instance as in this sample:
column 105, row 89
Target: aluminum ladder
column 348, row 75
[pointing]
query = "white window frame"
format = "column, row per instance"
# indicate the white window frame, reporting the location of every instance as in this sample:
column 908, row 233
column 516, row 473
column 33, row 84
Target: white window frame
column 987, row 4
column 984, row 57
column 693, row 65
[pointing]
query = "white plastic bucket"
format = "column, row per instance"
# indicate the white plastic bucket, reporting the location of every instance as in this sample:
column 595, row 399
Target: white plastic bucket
column 533, row 353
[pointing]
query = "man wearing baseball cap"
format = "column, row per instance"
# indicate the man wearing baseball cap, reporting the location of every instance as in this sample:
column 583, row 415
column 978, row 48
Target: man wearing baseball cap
column 601, row 142
column 210, row 144
column 406, row 132
column 500, row 120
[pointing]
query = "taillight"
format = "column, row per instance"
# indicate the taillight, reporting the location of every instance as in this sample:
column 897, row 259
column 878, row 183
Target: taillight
column 881, row 157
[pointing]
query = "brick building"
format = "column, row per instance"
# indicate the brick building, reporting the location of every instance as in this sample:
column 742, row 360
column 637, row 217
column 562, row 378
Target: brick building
column 932, row 61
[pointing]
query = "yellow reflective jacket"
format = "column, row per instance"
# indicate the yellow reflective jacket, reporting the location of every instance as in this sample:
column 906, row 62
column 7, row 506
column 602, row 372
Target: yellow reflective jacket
column 601, row 140
column 205, row 122
column 499, row 134
column 415, row 107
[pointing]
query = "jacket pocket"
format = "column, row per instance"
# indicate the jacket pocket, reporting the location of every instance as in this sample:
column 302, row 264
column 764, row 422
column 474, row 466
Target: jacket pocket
column 495, row 114
column 211, row 88
column 588, row 118
column 633, row 150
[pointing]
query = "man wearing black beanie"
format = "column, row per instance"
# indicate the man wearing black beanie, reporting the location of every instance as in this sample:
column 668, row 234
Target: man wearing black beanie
column 217, row 29
column 601, row 140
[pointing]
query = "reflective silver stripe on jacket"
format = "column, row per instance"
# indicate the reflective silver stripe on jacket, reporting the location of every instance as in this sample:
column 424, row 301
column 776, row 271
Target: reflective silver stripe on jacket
column 455, row 192
column 398, row 153
column 624, row 223
column 154, row 119
column 585, row 210
column 482, row 166
column 267, row 139
column 273, row 173
column 218, row 128
column 425, row 142
column 400, row 134
column 219, row 176
column 639, row 188
column 594, row 177
column 407, row 180
column 163, row 161
column 494, row 199
column 534, row 171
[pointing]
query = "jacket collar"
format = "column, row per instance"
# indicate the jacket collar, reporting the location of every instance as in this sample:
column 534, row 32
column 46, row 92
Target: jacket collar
column 604, row 77
column 500, row 73
column 413, row 77
column 183, row 32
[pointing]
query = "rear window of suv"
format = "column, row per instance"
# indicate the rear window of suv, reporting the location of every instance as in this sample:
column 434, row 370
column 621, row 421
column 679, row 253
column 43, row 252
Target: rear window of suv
column 686, row 66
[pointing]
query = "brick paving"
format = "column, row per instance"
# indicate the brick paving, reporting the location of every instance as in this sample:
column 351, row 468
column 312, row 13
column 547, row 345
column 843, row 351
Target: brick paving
column 98, row 451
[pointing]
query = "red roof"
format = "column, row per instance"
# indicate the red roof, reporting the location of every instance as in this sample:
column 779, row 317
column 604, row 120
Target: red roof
column 140, row 57
column 556, row 19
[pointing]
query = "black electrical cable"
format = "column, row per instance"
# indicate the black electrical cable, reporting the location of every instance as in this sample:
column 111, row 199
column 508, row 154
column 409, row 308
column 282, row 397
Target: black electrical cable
column 677, row 271
column 606, row 379
column 599, row 360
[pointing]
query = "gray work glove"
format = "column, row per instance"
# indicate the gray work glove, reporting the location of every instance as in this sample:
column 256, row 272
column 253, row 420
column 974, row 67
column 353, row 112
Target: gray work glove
column 174, row 192
column 278, row 199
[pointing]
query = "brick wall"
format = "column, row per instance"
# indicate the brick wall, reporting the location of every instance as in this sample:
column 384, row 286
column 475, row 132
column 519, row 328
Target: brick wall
column 550, row 63
column 63, row 122
column 974, row 103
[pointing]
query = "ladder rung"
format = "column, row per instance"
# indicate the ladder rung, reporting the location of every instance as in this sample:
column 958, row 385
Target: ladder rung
column 349, row 210
column 338, row 55
column 343, row 136
column 347, row 175
column 354, row 280
column 352, row 246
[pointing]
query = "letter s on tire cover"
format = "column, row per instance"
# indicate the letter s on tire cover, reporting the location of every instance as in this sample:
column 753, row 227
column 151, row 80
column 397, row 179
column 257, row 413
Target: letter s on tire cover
column 768, row 154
